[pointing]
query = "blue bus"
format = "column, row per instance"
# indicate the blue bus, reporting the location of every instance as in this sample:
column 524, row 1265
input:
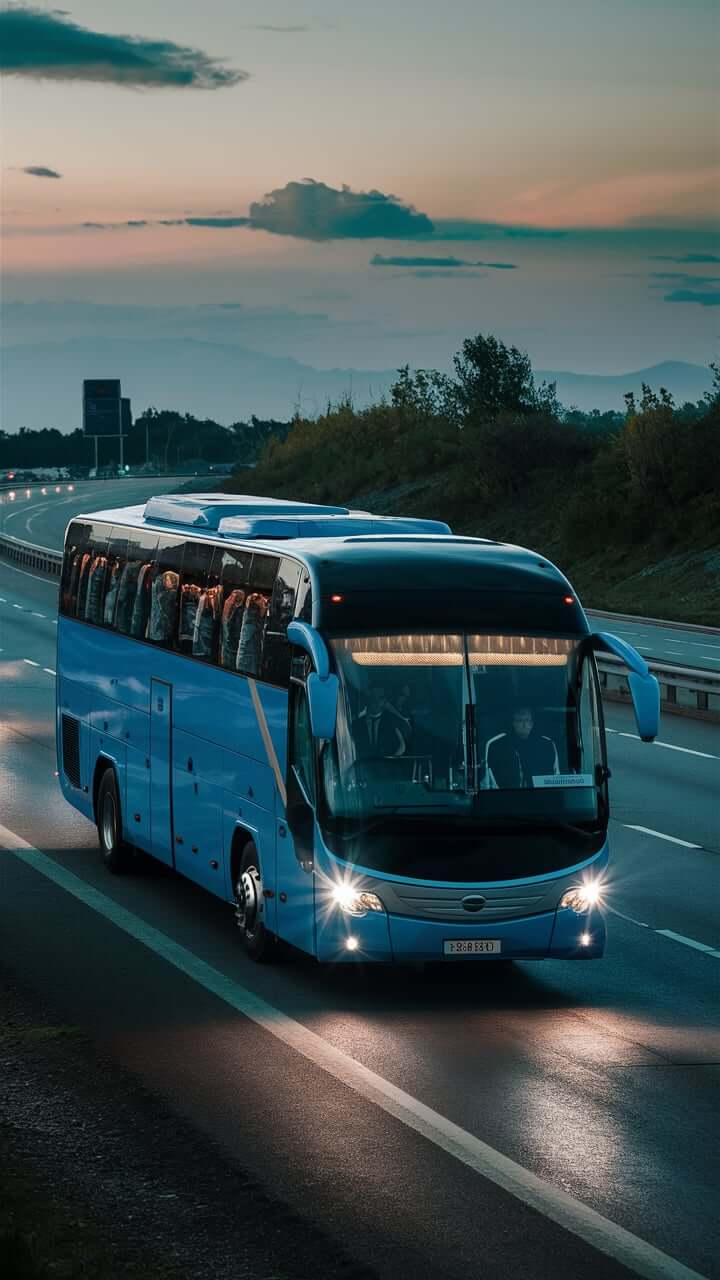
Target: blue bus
column 377, row 741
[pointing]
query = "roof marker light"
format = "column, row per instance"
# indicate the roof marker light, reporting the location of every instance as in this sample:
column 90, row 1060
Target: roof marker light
column 568, row 599
column 336, row 599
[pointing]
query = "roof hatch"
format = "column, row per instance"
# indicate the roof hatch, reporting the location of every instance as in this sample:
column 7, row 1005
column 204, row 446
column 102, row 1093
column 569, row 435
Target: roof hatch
column 207, row 510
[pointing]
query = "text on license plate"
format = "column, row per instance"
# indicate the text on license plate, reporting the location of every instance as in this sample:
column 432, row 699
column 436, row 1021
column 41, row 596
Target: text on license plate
column 472, row 946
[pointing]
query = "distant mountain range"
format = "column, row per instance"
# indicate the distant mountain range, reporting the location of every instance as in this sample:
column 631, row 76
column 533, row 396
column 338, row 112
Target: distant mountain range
column 42, row 383
column 605, row 391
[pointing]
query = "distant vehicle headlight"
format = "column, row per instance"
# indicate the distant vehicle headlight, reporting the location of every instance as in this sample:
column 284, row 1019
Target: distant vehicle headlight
column 583, row 897
column 355, row 902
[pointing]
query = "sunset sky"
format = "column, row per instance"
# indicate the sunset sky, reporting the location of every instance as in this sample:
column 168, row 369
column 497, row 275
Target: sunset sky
column 545, row 171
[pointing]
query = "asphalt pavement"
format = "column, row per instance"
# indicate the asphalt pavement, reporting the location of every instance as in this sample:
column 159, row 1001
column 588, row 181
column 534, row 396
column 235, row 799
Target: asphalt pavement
column 438, row 1122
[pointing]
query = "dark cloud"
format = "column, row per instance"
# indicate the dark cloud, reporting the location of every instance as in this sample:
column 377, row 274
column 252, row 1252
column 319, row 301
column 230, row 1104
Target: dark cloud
column 469, row 229
column 379, row 261
column 691, row 281
column 46, row 45
column 277, row 27
column 116, row 226
column 311, row 210
column 41, row 171
column 704, row 297
column 221, row 223
column 463, row 274
column 699, row 259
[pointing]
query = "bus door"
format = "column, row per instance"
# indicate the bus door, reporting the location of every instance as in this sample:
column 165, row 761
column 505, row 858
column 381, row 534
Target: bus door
column 161, row 825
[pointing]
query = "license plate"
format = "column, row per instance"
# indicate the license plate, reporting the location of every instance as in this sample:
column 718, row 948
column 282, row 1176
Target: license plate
column 472, row 946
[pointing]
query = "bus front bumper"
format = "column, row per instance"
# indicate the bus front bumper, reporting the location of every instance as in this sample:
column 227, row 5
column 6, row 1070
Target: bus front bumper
column 377, row 937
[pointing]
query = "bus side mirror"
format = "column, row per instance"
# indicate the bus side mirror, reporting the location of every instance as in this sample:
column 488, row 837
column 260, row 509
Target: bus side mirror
column 322, row 684
column 322, row 701
column 644, row 688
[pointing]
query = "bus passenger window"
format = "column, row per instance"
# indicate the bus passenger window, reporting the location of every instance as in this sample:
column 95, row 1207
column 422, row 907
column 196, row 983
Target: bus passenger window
column 255, row 614
column 165, row 592
column 116, row 556
column 133, row 603
column 193, row 581
column 276, row 650
column 76, row 543
column 234, row 569
column 96, row 575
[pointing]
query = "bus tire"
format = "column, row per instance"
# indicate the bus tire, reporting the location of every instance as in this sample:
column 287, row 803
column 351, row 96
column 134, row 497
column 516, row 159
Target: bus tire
column 117, row 854
column 250, row 907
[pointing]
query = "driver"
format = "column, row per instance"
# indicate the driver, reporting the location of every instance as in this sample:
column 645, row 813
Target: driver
column 513, row 759
column 378, row 729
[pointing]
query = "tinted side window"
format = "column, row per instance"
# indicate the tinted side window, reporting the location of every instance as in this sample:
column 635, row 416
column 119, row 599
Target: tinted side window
column 117, row 559
column 133, row 598
column 234, row 567
column 255, row 614
column 276, row 649
column 200, row 601
column 162, row 627
column 76, row 542
column 93, row 575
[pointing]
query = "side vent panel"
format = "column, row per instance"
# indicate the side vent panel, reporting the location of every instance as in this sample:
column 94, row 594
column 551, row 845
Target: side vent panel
column 71, row 749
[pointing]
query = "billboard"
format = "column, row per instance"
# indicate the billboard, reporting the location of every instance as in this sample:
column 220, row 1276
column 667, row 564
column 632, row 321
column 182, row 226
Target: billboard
column 102, row 407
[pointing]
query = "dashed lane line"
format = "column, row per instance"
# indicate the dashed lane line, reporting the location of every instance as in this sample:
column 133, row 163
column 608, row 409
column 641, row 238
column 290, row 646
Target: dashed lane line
column 555, row 1204
column 30, row 662
column 50, row 671
column 669, row 746
column 648, row 831
column 705, row 947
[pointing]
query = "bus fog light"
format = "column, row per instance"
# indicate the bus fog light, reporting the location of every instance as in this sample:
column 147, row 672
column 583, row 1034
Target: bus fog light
column 585, row 939
column 351, row 944
column 582, row 897
column 355, row 902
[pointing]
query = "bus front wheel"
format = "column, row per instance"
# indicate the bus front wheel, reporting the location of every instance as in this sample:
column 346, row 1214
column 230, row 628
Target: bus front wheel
column 250, row 907
column 116, row 853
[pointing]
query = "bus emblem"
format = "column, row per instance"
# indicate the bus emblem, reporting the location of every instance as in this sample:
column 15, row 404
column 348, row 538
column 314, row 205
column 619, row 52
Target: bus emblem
column 474, row 902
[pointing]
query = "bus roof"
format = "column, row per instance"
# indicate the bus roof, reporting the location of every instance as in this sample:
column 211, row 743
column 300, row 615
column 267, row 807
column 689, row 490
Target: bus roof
column 348, row 551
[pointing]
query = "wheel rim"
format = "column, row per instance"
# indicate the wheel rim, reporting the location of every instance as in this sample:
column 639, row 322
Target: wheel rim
column 249, row 901
column 108, row 822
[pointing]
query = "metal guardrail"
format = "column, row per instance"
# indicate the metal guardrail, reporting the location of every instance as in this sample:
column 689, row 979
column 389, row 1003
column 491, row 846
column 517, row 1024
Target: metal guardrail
column 26, row 555
column 686, row 691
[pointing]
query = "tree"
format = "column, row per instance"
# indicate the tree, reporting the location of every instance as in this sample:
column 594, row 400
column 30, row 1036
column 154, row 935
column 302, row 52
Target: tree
column 492, row 378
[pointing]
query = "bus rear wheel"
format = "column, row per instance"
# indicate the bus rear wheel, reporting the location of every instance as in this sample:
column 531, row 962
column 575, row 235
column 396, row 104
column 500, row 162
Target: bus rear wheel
column 116, row 853
column 250, row 907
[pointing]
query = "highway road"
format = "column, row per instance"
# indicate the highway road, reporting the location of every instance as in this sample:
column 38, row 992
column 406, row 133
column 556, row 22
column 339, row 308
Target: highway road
column 445, row 1122
column 42, row 519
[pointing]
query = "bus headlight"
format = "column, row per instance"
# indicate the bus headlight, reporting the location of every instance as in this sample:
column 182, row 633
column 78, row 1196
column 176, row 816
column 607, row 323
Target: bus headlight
column 355, row 902
column 583, row 897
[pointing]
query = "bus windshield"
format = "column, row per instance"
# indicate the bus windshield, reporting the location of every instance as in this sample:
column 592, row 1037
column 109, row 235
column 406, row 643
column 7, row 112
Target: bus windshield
column 495, row 727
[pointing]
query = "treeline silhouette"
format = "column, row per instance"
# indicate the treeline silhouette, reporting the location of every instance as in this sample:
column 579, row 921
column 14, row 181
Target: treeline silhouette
column 495, row 454
column 172, row 439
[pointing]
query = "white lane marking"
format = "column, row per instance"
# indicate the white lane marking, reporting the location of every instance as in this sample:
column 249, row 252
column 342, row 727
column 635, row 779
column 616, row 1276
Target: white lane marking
column 648, row 831
column 17, row 606
column 622, row 916
column 689, row 751
column 669, row 933
column 3, row 600
column 574, row 1216
column 699, row 644
column 37, row 615
column 50, row 671
column 689, row 942
column 30, row 662
column 669, row 746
